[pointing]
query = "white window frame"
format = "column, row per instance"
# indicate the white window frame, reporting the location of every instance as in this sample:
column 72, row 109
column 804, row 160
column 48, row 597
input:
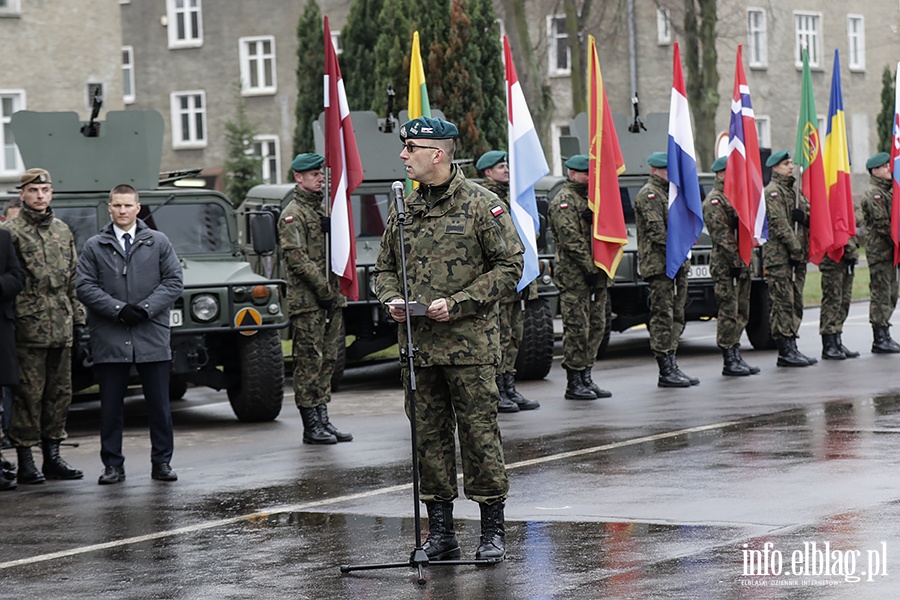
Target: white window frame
column 812, row 36
column 174, row 13
column 128, row 74
column 270, row 174
column 13, row 8
column 856, row 56
column 18, row 103
column 764, row 131
column 757, row 38
column 197, row 136
column 553, row 38
column 337, row 43
column 256, row 64
column 663, row 26
column 558, row 130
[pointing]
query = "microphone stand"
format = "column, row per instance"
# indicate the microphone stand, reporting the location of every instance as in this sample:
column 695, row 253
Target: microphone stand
column 418, row 560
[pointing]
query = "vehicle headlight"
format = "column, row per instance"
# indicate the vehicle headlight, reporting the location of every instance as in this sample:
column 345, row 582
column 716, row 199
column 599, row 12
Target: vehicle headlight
column 204, row 307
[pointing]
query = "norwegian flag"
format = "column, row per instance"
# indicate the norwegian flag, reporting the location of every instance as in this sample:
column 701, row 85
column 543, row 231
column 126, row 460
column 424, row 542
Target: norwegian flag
column 342, row 159
column 743, row 173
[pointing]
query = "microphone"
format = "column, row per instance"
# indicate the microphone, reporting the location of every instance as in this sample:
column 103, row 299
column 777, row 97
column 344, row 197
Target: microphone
column 397, row 188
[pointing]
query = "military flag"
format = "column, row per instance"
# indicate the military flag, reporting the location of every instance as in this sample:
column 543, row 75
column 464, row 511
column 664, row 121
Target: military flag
column 837, row 169
column 346, row 172
column 604, row 167
column 685, row 205
column 895, row 169
column 417, row 104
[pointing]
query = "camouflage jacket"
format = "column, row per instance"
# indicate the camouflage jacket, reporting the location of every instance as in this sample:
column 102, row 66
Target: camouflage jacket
column 461, row 245
column 303, row 248
column 876, row 210
column 502, row 191
column 787, row 240
column 651, row 214
column 720, row 217
column 574, row 255
column 48, row 307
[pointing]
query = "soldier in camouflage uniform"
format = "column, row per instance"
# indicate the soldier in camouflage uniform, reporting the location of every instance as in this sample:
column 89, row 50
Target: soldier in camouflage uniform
column 876, row 210
column 668, row 297
column 582, row 298
column 47, row 312
column 313, row 300
column 837, row 291
column 495, row 168
column 785, row 255
column 463, row 255
column 731, row 275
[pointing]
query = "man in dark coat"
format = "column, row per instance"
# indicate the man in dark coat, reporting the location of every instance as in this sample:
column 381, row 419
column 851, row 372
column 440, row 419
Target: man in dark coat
column 12, row 280
column 128, row 278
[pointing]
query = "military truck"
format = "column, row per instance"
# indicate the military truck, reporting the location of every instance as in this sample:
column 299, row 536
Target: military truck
column 369, row 329
column 225, row 325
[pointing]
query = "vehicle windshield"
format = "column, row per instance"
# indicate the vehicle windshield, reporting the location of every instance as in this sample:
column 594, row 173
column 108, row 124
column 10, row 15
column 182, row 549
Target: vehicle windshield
column 370, row 214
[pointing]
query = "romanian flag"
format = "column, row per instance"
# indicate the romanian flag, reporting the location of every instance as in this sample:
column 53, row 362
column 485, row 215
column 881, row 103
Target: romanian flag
column 604, row 168
column 417, row 103
column 812, row 170
column 837, row 169
column 895, row 169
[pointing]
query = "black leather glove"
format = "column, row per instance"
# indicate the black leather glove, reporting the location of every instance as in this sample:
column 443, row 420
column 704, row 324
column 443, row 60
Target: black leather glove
column 593, row 279
column 326, row 304
column 799, row 217
column 325, row 224
column 132, row 314
column 850, row 262
column 735, row 272
column 734, row 221
column 794, row 262
column 525, row 293
column 81, row 345
column 587, row 215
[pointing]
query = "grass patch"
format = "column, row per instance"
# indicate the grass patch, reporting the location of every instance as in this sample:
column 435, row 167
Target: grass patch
column 812, row 290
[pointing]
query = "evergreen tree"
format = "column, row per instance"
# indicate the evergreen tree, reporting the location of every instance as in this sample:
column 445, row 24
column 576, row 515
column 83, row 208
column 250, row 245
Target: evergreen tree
column 243, row 168
column 432, row 20
column 486, row 35
column 392, row 56
column 358, row 61
column 463, row 101
column 885, row 120
column 310, row 75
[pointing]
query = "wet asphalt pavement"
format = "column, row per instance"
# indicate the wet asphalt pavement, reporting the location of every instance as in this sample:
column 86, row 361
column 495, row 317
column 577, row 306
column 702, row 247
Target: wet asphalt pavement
column 781, row 485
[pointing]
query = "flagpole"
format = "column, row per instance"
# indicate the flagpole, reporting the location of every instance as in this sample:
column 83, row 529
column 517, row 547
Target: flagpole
column 326, row 188
column 797, row 186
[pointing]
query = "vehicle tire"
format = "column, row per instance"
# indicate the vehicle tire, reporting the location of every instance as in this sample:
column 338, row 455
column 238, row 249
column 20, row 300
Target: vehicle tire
column 341, row 361
column 758, row 324
column 177, row 389
column 536, row 348
column 604, row 343
column 260, row 391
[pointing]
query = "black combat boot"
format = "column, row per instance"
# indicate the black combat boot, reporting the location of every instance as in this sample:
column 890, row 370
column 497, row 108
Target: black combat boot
column 509, row 385
column 27, row 472
column 7, row 474
column 313, row 432
column 668, row 377
column 733, row 367
column 54, row 466
column 674, row 363
column 441, row 543
column 830, row 348
column 576, row 390
column 847, row 352
column 737, row 352
column 329, row 427
column 809, row 359
column 787, row 356
column 589, row 384
column 506, row 404
column 493, row 532
column 883, row 344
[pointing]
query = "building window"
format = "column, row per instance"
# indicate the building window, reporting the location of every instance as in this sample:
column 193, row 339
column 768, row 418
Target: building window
column 10, row 8
column 808, row 34
column 558, row 44
column 266, row 147
column 185, row 23
column 757, row 43
column 10, row 102
column 127, row 74
column 764, row 131
column 336, row 42
column 257, row 56
column 856, row 38
column 188, row 119
column 663, row 26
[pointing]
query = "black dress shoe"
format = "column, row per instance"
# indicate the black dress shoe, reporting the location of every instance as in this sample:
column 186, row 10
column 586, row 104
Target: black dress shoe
column 112, row 474
column 163, row 472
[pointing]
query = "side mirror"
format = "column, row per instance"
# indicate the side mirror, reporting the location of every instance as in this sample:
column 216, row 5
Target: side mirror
column 262, row 233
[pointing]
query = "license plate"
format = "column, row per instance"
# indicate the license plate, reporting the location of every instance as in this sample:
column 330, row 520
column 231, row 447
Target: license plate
column 698, row 272
column 176, row 317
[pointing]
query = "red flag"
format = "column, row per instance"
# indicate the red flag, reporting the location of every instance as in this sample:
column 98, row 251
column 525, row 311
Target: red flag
column 346, row 172
column 895, row 170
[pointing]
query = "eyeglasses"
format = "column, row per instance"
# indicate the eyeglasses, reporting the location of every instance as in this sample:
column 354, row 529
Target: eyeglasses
column 411, row 148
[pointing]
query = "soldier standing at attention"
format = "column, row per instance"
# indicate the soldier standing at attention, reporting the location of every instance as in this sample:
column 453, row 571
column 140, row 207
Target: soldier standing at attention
column 463, row 255
column 314, row 305
column 47, row 311
column 785, row 255
column 12, row 280
column 731, row 275
column 495, row 167
column 668, row 297
column 876, row 208
column 582, row 285
column 837, row 291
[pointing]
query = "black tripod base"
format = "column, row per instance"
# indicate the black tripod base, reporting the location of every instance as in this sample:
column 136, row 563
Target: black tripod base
column 418, row 560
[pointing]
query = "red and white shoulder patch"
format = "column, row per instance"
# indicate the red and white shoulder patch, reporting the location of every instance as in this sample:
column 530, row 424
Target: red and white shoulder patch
column 878, row 196
column 714, row 201
column 564, row 205
column 289, row 219
column 773, row 195
column 651, row 195
column 497, row 211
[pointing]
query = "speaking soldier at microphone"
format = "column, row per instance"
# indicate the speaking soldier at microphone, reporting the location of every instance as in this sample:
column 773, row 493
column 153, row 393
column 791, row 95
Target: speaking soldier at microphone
column 462, row 255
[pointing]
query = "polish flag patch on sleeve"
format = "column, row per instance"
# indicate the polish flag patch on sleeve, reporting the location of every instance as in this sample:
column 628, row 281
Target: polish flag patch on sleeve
column 564, row 205
column 497, row 211
column 289, row 219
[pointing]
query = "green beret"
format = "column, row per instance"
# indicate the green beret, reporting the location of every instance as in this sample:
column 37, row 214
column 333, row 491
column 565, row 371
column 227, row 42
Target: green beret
column 579, row 162
column 719, row 164
column 428, row 128
column 878, row 160
column 490, row 159
column 307, row 162
column 658, row 160
column 777, row 158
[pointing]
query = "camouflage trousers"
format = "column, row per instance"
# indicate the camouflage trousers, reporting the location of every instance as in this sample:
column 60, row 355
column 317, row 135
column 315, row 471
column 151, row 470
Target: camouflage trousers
column 883, row 293
column 315, row 354
column 584, row 322
column 41, row 400
column 837, row 290
column 786, row 300
column 733, row 300
column 464, row 397
column 512, row 325
column 667, row 300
